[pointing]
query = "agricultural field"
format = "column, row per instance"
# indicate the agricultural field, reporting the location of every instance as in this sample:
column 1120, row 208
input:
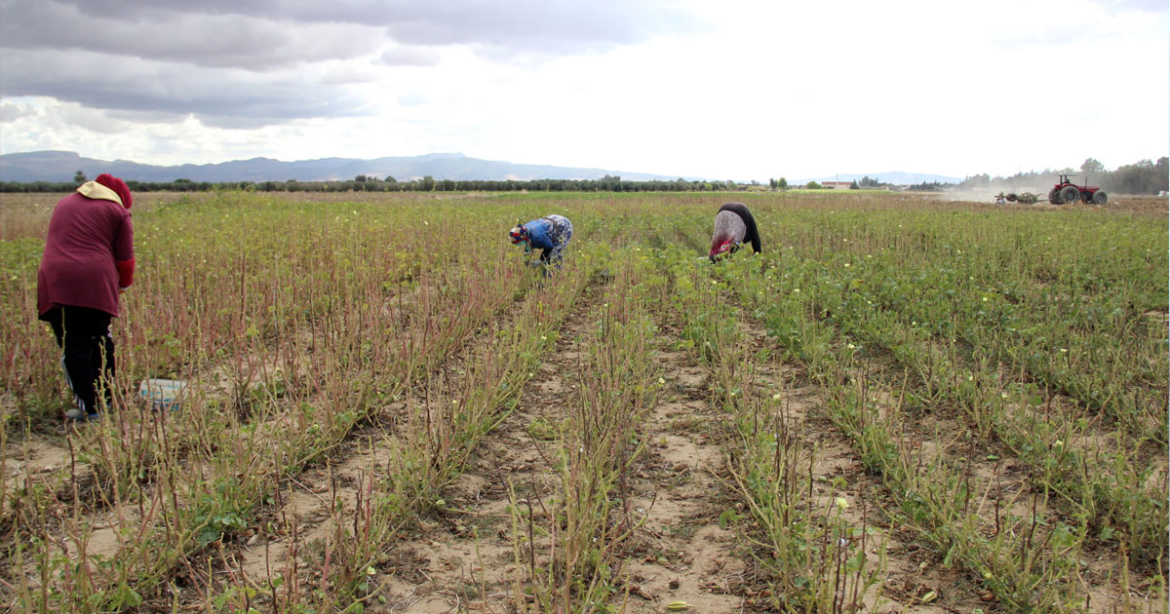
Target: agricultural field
column 902, row 405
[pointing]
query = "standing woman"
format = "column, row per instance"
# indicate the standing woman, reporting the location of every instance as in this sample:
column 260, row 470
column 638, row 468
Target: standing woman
column 550, row 234
column 88, row 262
column 734, row 224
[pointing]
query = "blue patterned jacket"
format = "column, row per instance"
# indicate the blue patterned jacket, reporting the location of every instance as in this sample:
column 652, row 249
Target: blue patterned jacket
column 550, row 234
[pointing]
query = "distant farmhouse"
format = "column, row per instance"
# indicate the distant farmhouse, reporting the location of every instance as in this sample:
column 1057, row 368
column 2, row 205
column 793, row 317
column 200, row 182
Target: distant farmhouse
column 837, row 185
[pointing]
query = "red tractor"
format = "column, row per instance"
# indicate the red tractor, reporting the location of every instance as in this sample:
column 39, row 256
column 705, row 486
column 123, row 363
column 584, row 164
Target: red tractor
column 1067, row 193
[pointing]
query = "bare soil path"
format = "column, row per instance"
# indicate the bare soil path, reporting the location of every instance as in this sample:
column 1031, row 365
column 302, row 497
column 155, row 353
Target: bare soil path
column 467, row 556
column 478, row 557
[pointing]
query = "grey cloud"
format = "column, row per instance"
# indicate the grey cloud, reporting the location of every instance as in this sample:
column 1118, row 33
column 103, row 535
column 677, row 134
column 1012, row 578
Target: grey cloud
column 222, row 60
column 145, row 117
column 226, row 41
column 235, row 99
column 347, row 74
column 522, row 26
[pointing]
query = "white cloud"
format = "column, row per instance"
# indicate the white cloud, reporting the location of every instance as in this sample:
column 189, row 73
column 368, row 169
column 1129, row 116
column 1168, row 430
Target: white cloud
column 407, row 55
column 12, row 111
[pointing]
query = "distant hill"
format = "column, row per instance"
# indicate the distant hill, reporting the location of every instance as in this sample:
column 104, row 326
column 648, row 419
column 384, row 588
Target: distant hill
column 62, row 165
column 894, row 177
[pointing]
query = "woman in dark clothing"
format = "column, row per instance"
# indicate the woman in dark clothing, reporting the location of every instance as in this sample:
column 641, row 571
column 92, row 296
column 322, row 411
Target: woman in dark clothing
column 88, row 261
column 734, row 224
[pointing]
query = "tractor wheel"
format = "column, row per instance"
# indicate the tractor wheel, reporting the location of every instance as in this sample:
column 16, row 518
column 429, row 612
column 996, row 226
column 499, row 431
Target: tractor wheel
column 1100, row 197
column 1054, row 197
column 1070, row 195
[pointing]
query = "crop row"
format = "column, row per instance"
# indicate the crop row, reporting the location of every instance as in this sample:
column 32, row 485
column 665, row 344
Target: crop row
column 175, row 486
column 816, row 555
column 1027, row 557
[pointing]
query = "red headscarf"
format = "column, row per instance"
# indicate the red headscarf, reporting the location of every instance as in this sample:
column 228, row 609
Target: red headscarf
column 718, row 246
column 118, row 186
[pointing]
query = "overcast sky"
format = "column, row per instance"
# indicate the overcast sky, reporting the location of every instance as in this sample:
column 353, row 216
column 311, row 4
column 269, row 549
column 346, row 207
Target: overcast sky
column 722, row 89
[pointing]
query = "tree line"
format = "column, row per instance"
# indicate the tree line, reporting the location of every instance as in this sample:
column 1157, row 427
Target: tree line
column 1144, row 177
column 365, row 183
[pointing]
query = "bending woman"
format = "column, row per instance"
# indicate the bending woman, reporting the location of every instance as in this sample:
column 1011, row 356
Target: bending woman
column 550, row 234
column 88, row 262
column 734, row 224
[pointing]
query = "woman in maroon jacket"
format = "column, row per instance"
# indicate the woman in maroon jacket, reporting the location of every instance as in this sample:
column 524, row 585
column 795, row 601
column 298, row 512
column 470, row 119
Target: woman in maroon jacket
column 88, row 261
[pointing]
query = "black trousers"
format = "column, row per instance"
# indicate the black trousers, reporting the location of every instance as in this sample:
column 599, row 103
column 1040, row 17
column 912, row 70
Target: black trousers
column 84, row 336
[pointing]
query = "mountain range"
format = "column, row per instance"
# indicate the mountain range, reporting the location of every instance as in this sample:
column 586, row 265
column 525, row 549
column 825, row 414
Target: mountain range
column 62, row 165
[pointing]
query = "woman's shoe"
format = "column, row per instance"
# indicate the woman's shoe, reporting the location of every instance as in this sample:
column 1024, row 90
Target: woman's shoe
column 76, row 415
